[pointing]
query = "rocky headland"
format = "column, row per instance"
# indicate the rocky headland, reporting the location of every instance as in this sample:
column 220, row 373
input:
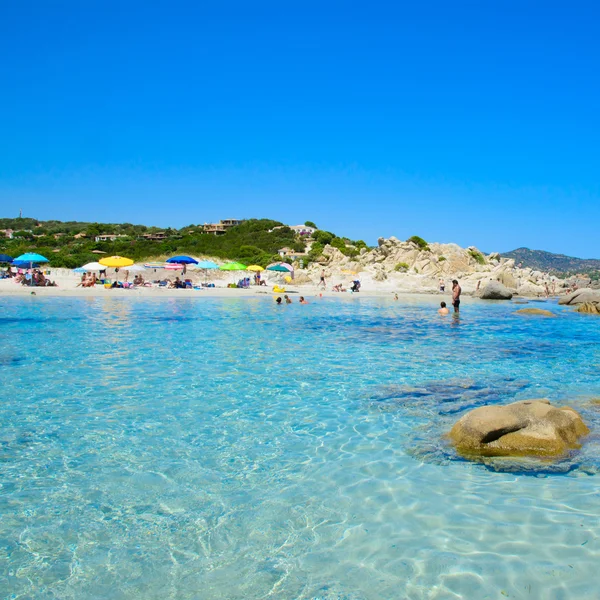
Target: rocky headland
column 409, row 266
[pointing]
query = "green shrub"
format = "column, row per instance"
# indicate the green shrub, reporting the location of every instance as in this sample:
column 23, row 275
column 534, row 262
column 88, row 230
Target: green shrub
column 441, row 259
column 310, row 224
column 323, row 237
column 479, row 258
column 315, row 252
column 419, row 241
column 402, row 267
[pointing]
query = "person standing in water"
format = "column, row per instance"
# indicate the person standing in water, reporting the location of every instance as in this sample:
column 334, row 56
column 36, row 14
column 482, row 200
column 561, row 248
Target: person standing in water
column 456, row 295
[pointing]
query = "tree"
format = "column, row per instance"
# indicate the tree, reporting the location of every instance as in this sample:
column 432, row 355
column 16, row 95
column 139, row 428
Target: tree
column 310, row 224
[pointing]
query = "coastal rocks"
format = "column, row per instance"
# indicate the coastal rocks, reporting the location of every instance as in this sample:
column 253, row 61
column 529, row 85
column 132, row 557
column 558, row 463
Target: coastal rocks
column 590, row 308
column 530, row 289
column 528, row 428
column 581, row 296
column 534, row 311
column 494, row 290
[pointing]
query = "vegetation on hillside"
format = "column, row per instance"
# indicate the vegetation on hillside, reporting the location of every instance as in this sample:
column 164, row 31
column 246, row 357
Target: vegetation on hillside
column 554, row 263
column 253, row 241
column 72, row 244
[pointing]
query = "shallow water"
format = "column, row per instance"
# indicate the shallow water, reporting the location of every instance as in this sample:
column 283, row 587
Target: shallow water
column 233, row 449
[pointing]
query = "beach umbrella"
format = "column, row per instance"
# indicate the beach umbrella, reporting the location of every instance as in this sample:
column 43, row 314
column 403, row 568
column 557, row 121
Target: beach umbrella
column 92, row 266
column 233, row 266
column 281, row 267
column 116, row 261
column 173, row 266
column 182, row 260
column 30, row 257
column 154, row 266
column 207, row 264
column 255, row 268
column 135, row 268
column 79, row 270
column 5, row 258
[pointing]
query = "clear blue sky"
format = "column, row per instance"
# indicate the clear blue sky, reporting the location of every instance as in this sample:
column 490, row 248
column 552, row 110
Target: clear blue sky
column 475, row 122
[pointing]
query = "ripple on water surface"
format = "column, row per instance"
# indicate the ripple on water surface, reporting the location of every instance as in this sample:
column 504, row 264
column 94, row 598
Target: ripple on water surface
column 236, row 449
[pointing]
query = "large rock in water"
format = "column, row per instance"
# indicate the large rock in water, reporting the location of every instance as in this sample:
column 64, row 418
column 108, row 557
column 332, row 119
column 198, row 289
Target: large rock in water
column 494, row 290
column 534, row 311
column 527, row 428
column 582, row 296
column 590, row 308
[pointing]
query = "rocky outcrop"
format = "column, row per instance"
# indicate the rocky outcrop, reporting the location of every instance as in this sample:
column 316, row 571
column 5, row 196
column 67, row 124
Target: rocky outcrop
column 494, row 290
column 582, row 296
column 590, row 308
column 534, row 311
column 527, row 428
column 405, row 266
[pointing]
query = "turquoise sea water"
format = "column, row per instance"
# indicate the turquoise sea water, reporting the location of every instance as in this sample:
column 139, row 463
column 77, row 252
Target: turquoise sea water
column 234, row 449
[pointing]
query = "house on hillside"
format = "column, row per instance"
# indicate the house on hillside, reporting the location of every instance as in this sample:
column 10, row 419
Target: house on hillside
column 303, row 230
column 157, row 236
column 290, row 253
column 9, row 233
column 221, row 227
column 108, row 237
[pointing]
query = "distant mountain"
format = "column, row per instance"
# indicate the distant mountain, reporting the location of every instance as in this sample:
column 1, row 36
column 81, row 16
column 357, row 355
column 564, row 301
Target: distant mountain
column 555, row 263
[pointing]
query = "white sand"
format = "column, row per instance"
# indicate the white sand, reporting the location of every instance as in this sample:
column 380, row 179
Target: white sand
column 67, row 287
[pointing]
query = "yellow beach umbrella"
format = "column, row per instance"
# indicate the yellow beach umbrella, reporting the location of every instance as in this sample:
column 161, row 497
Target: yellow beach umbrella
column 256, row 268
column 116, row 261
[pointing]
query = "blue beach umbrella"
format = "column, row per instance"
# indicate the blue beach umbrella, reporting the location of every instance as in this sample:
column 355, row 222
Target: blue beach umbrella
column 30, row 257
column 182, row 260
column 207, row 264
column 5, row 258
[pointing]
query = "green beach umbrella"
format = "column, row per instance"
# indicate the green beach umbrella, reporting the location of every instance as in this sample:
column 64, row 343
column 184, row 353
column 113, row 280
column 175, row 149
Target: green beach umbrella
column 233, row 266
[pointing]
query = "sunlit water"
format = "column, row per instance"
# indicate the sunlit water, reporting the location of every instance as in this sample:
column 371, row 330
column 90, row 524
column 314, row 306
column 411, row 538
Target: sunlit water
column 234, row 449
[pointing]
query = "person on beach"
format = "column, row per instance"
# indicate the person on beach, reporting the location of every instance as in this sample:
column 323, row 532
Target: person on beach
column 322, row 281
column 288, row 300
column 456, row 295
column 302, row 300
column 443, row 310
column 442, row 286
column 395, row 296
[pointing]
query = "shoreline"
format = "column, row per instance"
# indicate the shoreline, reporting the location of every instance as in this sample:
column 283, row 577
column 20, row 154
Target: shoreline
column 310, row 292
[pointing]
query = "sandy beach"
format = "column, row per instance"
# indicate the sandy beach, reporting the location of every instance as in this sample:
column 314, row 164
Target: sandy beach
column 67, row 286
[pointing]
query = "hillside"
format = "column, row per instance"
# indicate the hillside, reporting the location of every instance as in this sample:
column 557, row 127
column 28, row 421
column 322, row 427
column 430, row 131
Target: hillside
column 72, row 244
column 553, row 263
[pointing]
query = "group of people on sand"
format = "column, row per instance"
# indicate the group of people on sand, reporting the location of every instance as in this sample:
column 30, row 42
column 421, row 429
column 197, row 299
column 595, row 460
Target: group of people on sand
column 88, row 280
column 355, row 287
column 288, row 300
column 36, row 278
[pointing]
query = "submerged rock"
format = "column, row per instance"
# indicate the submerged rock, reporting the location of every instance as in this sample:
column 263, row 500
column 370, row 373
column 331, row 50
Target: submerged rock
column 534, row 311
column 494, row 290
column 590, row 308
column 528, row 428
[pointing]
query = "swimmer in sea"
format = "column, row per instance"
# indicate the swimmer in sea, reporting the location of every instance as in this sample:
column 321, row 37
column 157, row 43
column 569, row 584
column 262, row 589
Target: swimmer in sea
column 443, row 310
column 395, row 296
column 302, row 300
column 288, row 300
column 278, row 300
